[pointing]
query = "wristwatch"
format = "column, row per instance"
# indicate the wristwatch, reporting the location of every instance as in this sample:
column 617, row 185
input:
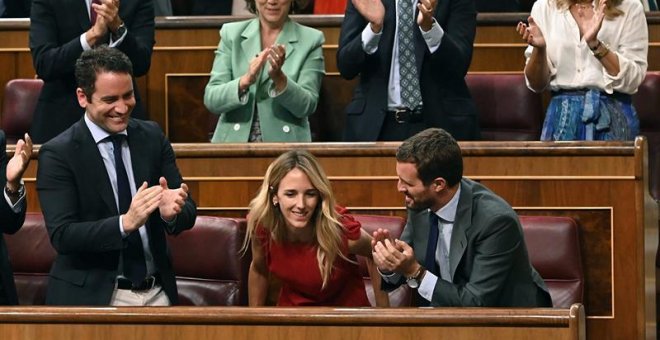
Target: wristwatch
column 15, row 194
column 119, row 32
column 414, row 280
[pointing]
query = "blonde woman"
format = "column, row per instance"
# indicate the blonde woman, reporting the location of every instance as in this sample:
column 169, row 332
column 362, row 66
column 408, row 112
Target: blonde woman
column 592, row 56
column 297, row 234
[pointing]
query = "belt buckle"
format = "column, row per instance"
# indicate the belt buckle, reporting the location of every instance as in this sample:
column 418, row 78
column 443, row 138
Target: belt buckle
column 401, row 115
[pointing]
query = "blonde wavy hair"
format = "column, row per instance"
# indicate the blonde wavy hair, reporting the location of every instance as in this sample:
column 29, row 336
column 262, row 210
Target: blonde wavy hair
column 611, row 11
column 325, row 220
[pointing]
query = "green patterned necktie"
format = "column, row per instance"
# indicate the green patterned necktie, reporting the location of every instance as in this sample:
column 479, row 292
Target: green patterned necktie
column 411, row 97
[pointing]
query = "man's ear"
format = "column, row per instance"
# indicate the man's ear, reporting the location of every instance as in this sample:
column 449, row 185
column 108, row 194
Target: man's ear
column 82, row 98
column 439, row 184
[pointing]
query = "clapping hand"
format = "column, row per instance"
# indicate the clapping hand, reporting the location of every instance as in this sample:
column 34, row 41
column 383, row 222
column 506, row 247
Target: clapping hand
column 531, row 33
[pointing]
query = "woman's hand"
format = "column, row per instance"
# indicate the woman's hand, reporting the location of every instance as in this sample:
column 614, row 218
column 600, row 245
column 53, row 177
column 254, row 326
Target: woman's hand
column 591, row 33
column 276, row 58
column 531, row 33
column 253, row 71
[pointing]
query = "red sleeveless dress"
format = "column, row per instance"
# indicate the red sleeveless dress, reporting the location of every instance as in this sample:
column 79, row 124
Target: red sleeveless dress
column 296, row 266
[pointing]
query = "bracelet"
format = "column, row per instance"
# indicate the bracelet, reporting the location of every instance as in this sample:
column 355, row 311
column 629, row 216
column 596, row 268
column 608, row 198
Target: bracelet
column 595, row 47
column 600, row 51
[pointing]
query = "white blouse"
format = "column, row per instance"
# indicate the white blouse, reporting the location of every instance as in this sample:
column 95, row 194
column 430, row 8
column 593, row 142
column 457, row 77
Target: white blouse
column 571, row 62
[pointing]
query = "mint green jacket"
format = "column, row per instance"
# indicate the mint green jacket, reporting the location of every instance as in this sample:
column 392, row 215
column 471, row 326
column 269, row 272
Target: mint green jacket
column 283, row 117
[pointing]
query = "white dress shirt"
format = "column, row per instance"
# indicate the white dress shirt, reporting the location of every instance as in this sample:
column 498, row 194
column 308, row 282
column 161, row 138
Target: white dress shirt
column 106, row 149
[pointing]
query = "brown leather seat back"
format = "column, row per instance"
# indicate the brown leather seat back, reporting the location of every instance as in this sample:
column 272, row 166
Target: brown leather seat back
column 209, row 267
column 401, row 297
column 508, row 110
column 554, row 250
column 31, row 256
column 18, row 107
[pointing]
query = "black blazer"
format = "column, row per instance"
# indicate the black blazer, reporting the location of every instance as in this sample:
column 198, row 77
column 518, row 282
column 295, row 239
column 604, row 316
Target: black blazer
column 55, row 29
column 447, row 101
column 17, row 9
column 10, row 222
column 488, row 259
column 82, row 218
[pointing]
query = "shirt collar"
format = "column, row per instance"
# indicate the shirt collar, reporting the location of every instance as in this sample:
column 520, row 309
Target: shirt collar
column 97, row 132
column 448, row 212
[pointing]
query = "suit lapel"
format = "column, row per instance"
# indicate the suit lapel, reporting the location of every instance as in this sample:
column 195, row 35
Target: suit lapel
column 461, row 223
column 93, row 164
column 251, row 44
column 421, row 234
column 289, row 38
column 82, row 14
column 389, row 29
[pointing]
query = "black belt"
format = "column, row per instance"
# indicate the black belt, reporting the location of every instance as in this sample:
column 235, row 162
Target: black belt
column 405, row 115
column 146, row 284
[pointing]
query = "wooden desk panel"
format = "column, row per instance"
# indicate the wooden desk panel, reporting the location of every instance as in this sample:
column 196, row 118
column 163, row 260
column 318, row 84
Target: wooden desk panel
column 239, row 323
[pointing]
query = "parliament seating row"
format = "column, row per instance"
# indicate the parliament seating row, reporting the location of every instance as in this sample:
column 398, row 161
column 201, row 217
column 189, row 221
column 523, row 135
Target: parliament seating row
column 212, row 271
column 508, row 111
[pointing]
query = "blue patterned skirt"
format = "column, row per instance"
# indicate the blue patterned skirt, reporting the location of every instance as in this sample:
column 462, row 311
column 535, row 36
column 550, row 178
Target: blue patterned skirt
column 590, row 115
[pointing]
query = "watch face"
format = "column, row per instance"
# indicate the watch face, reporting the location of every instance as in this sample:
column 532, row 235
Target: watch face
column 412, row 283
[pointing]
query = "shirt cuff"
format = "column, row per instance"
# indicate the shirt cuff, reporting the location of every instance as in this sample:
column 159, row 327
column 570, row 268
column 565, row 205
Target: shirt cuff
column 115, row 43
column 15, row 207
column 427, row 286
column 391, row 278
column 121, row 227
column 433, row 37
column 370, row 40
column 272, row 91
column 83, row 42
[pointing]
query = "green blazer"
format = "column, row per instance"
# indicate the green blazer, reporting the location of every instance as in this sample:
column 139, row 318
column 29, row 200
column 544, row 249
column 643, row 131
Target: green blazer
column 283, row 118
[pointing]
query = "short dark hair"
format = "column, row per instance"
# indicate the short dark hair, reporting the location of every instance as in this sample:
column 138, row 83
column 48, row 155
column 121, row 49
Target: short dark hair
column 99, row 60
column 435, row 153
column 296, row 6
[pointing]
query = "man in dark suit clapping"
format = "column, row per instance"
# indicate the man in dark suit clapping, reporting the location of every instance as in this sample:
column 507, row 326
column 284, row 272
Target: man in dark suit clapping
column 110, row 189
column 60, row 30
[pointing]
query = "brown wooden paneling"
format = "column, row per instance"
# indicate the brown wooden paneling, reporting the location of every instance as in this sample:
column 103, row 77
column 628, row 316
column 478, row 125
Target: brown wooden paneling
column 187, row 120
column 163, row 323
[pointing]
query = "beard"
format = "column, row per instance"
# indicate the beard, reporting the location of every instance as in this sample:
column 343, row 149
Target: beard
column 418, row 204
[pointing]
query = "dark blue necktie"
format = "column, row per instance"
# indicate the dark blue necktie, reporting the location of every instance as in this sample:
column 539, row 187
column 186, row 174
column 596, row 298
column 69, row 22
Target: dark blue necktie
column 429, row 260
column 135, row 267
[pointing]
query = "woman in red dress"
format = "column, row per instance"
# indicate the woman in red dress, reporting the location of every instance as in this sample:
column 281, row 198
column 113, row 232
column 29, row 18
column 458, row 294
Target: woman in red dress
column 297, row 234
